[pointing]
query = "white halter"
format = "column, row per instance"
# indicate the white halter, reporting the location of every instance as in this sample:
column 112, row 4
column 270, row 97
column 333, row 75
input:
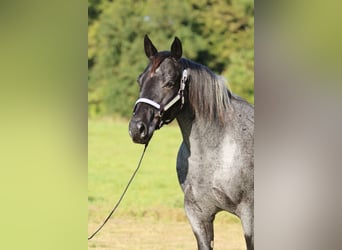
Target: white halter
column 179, row 96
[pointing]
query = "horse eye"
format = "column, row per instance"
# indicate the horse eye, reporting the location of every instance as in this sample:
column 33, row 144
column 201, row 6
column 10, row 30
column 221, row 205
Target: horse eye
column 170, row 84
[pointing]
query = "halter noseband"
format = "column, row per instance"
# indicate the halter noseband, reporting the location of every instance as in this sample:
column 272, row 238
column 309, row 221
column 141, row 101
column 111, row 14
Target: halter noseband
column 163, row 108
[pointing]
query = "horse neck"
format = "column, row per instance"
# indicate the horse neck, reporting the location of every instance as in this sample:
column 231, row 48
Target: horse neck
column 185, row 121
column 198, row 129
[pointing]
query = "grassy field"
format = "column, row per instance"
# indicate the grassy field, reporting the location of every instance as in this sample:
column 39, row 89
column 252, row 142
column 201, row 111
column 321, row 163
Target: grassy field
column 151, row 215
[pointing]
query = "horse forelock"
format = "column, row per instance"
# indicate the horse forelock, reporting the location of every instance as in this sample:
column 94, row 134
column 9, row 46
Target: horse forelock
column 157, row 60
column 209, row 96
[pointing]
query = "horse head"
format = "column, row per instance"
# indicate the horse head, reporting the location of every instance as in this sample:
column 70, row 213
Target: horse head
column 162, row 86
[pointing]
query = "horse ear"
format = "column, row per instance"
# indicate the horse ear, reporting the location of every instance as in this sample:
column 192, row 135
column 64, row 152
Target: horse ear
column 176, row 49
column 150, row 50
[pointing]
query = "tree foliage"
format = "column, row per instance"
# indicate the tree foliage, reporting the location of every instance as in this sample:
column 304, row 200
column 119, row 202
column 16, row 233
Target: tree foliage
column 216, row 33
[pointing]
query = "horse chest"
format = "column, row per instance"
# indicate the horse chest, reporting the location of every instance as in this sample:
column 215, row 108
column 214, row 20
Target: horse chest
column 211, row 176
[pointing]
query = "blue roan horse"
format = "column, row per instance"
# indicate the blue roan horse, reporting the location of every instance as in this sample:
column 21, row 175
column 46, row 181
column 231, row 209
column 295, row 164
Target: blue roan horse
column 215, row 162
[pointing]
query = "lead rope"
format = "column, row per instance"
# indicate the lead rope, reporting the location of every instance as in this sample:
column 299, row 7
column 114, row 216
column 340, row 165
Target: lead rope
column 123, row 194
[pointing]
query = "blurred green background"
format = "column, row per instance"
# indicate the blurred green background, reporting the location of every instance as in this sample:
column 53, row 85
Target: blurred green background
column 216, row 33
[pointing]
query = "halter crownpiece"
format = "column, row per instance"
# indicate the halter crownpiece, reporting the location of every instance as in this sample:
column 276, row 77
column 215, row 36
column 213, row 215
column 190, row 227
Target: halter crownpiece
column 161, row 109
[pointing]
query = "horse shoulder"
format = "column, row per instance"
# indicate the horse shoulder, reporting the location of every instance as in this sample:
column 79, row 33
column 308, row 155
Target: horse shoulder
column 232, row 179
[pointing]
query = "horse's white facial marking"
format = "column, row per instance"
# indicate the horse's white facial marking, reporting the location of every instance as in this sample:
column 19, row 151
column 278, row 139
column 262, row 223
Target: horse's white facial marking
column 156, row 71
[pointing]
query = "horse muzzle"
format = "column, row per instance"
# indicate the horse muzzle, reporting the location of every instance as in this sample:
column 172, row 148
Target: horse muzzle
column 140, row 131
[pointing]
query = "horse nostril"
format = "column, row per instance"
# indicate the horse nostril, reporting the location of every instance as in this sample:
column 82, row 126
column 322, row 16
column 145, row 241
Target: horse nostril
column 142, row 129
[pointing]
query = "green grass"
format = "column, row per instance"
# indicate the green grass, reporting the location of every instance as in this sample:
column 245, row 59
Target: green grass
column 112, row 158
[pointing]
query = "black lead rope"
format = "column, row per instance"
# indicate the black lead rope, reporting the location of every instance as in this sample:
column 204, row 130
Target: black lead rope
column 123, row 194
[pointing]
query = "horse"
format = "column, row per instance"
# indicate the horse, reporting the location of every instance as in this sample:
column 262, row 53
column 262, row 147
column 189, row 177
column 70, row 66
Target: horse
column 215, row 161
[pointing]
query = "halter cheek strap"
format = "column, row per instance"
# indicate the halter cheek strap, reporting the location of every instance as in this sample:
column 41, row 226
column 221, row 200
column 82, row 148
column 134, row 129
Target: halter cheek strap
column 173, row 101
